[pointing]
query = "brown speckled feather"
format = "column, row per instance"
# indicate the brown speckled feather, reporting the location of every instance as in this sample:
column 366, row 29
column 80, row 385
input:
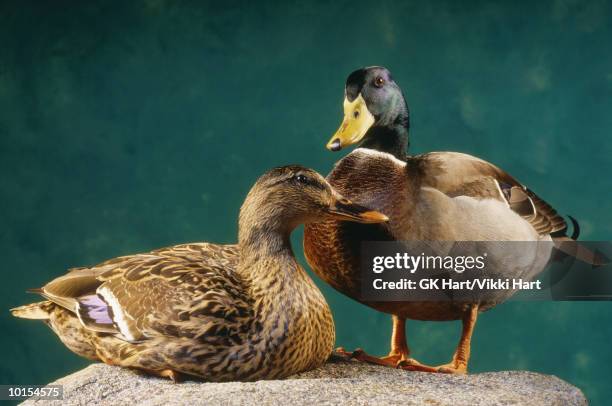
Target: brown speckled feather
column 186, row 308
column 219, row 312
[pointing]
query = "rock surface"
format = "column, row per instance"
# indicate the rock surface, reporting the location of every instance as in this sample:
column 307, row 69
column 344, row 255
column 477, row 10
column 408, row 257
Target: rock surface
column 337, row 382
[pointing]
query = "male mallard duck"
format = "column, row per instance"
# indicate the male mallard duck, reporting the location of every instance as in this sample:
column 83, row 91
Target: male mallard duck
column 218, row 312
column 438, row 196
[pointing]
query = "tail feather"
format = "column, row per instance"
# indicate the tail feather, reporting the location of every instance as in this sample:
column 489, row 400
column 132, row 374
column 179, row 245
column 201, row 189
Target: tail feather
column 576, row 228
column 580, row 251
column 34, row 311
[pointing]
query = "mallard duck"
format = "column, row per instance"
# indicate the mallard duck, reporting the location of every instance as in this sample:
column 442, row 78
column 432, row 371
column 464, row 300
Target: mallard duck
column 218, row 312
column 437, row 196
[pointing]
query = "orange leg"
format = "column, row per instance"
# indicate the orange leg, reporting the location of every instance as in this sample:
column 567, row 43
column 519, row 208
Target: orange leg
column 399, row 346
column 398, row 357
column 461, row 357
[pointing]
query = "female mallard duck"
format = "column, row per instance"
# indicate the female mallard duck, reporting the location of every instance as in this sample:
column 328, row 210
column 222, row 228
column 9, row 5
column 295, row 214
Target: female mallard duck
column 218, row 312
column 438, row 196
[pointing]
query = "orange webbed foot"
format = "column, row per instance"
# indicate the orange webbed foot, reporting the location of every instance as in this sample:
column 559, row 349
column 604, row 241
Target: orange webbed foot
column 360, row 355
column 393, row 360
column 458, row 368
column 410, row 364
column 176, row 377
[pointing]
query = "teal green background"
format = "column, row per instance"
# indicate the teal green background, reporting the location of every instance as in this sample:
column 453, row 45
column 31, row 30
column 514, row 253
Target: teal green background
column 127, row 126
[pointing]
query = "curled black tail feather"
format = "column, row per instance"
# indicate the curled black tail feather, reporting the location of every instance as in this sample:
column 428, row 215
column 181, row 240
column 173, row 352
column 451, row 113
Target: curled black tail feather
column 575, row 227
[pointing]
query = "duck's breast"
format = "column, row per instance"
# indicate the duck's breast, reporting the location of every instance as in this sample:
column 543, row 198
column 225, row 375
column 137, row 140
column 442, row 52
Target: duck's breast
column 332, row 248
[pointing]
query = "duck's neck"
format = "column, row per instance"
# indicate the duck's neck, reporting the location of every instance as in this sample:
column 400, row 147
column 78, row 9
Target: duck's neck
column 391, row 133
column 289, row 311
column 265, row 249
column 269, row 267
column 260, row 245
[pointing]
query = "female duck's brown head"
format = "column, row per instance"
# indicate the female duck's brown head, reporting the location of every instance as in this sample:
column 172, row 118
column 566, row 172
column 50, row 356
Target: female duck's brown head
column 287, row 196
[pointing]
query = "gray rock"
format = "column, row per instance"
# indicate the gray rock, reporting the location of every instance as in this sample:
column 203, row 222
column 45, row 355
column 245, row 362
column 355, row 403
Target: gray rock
column 337, row 382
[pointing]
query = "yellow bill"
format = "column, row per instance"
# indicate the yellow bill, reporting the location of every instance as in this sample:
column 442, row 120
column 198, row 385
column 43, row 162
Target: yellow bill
column 357, row 121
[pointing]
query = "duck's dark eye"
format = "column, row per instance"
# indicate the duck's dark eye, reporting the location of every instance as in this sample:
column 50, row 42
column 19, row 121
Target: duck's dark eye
column 302, row 179
column 379, row 81
column 308, row 181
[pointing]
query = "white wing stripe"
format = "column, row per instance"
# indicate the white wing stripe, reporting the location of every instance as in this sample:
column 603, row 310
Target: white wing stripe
column 119, row 315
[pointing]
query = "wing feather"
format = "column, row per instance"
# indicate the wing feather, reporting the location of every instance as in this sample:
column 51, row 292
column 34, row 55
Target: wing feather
column 457, row 174
column 138, row 296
